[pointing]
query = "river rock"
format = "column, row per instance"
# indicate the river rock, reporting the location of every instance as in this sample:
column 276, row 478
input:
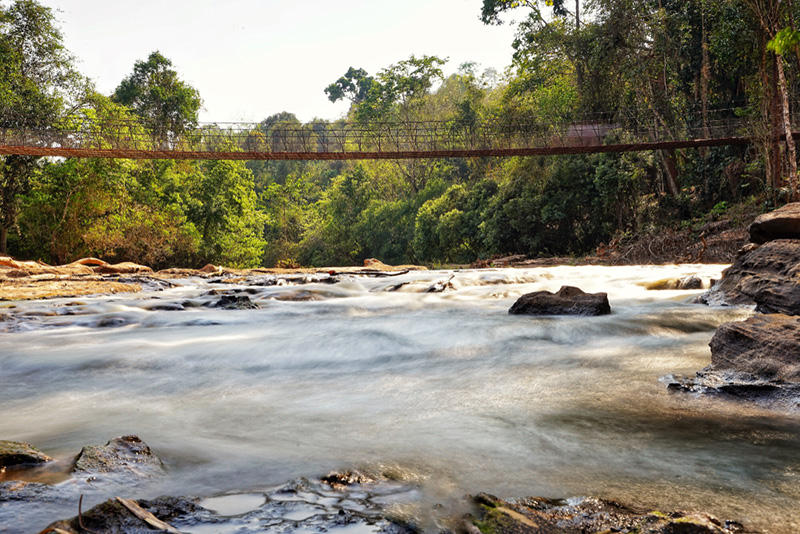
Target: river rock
column 127, row 455
column 782, row 223
column 763, row 345
column 18, row 490
column 768, row 276
column 236, row 302
column 302, row 505
column 535, row 515
column 112, row 517
column 14, row 453
column 125, row 267
column 682, row 283
column 740, row 386
column 567, row 301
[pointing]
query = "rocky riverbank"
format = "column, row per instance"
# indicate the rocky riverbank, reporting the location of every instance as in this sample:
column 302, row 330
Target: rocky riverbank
column 29, row 280
column 759, row 359
column 351, row 501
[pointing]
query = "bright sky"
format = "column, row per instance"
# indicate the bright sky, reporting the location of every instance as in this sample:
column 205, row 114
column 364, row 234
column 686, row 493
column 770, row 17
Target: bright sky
column 253, row 58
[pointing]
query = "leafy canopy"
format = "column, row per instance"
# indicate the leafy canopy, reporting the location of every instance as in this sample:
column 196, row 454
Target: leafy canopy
column 168, row 105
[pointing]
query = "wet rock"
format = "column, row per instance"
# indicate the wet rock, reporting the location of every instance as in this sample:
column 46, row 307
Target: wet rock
column 535, row 515
column 763, row 345
column 442, row 285
column 757, row 360
column 341, row 479
column 768, row 276
column 236, row 302
column 17, row 490
column 782, row 223
column 166, row 306
column 567, row 301
column 112, row 322
column 127, row 455
column 123, row 268
column 736, row 385
column 14, row 453
column 112, row 517
column 684, row 283
column 299, row 506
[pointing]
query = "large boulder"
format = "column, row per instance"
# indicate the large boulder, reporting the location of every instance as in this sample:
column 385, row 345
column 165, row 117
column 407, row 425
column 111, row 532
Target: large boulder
column 782, row 223
column 768, row 276
column 567, row 301
column 767, row 346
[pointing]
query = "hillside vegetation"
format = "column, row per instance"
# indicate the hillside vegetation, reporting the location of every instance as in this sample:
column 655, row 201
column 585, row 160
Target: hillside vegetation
column 669, row 62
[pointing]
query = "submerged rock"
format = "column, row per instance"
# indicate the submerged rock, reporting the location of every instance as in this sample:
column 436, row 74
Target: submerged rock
column 535, row 515
column 17, row 490
column 127, row 455
column 782, row 223
column 441, row 286
column 14, row 453
column 567, row 301
column 236, row 302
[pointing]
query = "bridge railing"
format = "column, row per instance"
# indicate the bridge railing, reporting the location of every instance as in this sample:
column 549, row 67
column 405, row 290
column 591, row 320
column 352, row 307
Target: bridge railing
column 344, row 137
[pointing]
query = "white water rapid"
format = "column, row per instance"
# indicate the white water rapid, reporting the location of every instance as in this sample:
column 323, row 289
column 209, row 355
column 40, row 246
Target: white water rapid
column 446, row 386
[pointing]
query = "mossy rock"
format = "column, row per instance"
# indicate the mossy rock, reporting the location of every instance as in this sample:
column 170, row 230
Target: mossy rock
column 13, row 453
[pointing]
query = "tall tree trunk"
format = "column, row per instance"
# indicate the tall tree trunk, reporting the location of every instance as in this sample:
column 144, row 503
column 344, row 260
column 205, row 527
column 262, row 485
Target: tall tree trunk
column 705, row 74
column 672, row 172
column 791, row 153
column 3, row 239
column 775, row 133
column 578, row 59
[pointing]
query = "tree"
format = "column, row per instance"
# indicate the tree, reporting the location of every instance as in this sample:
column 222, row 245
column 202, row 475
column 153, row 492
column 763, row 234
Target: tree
column 782, row 41
column 38, row 86
column 492, row 9
column 168, row 106
column 536, row 23
column 396, row 91
column 355, row 86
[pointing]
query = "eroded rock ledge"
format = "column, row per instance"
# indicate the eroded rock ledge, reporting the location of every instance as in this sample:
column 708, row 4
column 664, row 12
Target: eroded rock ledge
column 759, row 359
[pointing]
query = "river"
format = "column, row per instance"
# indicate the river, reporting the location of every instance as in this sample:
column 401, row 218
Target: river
column 445, row 386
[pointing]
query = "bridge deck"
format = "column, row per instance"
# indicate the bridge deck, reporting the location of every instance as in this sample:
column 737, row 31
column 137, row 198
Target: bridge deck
column 354, row 141
column 69, row 152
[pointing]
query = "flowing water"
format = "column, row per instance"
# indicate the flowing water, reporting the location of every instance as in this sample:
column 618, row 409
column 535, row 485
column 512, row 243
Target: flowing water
column 446, row 386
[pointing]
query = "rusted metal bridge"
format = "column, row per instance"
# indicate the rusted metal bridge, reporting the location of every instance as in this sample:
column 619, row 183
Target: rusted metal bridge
column 344, row 140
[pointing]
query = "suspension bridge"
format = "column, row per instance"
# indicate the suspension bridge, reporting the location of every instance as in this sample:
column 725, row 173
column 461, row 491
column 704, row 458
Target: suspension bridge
column 344, row 140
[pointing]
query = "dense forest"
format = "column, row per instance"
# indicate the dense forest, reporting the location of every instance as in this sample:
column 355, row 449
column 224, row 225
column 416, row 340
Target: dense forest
column 669, row 61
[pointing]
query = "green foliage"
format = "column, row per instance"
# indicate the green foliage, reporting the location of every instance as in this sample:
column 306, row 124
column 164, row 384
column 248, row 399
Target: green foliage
column 82, row 208
column 167, row 105
column 397, row 92
column 356, row 86
column 38, row 83
column 785, row 40
column 667, row 64
column 222, row 205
